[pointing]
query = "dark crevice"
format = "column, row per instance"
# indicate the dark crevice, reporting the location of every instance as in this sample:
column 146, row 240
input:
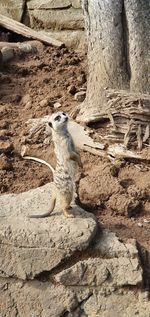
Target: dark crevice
column 25, row 19
column 145, row 263
column 55, row 9
column 125, row 34
column 70, row 261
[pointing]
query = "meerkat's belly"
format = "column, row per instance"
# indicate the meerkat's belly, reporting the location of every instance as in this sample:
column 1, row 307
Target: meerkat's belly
column 63, row 181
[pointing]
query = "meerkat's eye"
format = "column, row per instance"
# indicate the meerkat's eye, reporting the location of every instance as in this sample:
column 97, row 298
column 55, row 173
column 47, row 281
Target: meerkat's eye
column 64, row 114
column 57, row 118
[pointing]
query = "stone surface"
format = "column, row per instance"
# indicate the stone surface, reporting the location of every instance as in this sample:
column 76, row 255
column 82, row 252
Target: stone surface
column 35, row 299
column 72, row 38
column 117, row 304
column 7, row 53
column 71, row 19
column 109, row 245
column 48, row 4
column 76, row 3
column 57, row 105
column 48, row 240
column 12, row 9
column 102, row 272
column 80, row 96
column 38, row 299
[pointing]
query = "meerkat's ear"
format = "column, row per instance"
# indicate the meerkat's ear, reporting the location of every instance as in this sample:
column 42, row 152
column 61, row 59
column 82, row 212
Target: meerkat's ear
column 50, row 124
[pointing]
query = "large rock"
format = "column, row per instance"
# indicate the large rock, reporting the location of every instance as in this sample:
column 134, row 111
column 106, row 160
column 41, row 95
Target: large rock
column 118, row 304
column 49, row 4
column 99, row 272
column 31, row 246
column 12, row 9
column 108, row 245
column 43, row 299
column 71, row 38
column 76, row 3
column 71, row 19
column 35, row 299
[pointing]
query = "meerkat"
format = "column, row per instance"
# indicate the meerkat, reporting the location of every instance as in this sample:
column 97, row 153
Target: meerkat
column 67, row 158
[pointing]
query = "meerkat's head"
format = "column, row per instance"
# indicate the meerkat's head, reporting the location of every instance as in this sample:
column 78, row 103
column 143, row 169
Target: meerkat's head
column 58, row 121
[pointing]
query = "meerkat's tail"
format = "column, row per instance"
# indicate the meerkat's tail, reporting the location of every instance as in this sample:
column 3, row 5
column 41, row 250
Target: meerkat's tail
column 39, row 161
column 47, row 214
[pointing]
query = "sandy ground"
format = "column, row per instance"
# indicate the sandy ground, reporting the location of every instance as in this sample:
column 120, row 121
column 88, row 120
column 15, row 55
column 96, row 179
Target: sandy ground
column 29, row 87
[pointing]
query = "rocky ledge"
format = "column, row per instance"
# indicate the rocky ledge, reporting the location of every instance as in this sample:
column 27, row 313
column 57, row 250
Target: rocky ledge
column 58, row 267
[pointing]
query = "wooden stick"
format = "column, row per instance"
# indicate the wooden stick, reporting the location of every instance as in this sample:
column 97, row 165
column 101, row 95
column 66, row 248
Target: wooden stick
column 24, row 30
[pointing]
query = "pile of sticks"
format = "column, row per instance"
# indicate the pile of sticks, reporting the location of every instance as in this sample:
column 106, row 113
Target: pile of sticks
column 129, row 116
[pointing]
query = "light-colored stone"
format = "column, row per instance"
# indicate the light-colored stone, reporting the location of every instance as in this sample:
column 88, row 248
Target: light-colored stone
column 117, row 305
column 109, row 245
column 12, row 9
column 72, row 38
column 48, row 4
column 34, row 299
column 7, row 54
column 76, row 3
column 80, row 96
column 25, row 99
column 114, row 272
column 31, row 246
column 71, row 19
column 57, row 105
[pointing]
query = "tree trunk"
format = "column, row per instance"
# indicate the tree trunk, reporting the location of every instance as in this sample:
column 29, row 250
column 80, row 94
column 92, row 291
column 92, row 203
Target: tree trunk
column 118, row 34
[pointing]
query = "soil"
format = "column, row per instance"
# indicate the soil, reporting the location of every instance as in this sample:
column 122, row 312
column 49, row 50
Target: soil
column 30, row 85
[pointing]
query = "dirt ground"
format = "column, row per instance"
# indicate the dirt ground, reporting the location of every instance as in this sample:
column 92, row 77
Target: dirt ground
column 30, row 85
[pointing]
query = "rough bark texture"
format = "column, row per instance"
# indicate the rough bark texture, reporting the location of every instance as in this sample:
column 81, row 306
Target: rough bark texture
column 118, row 39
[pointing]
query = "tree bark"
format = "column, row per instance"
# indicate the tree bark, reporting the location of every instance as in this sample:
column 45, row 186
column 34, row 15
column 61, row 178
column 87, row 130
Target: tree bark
column 118, row 33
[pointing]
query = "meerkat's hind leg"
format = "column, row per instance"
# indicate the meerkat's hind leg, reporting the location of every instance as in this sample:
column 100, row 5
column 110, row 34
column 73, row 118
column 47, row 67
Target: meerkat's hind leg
column 52, row 206
column 67, row 213
column 66, row 205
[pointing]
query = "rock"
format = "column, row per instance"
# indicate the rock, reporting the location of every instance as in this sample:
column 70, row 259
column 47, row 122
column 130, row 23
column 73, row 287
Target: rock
column 25, row 99
column 117, row 305
column 44, row 103
column 51, row 4
column 72, row 90
column 7, row 54
column 80, row 96
column 57, row 105
column 12, row 9
column 109, row 245
column 140, row 224
column 25, row 47
column 71, row 19
column 5, row 146
column 96, row 272
column 34, row 298
column 146, row 221
column 76, row 4
column 72, row 38
column 5, row 163
column 48, row 240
